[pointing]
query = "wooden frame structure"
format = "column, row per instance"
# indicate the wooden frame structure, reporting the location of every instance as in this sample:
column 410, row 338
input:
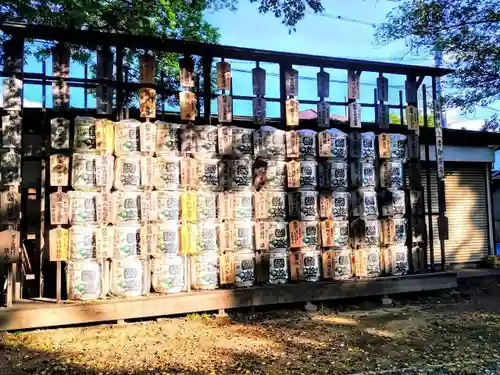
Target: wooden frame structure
column 34, row 282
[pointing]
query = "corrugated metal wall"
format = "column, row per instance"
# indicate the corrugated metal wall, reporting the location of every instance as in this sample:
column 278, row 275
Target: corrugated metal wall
column 466, row 207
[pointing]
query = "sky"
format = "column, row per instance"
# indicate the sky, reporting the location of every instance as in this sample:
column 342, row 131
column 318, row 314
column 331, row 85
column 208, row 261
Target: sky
column 317, row 35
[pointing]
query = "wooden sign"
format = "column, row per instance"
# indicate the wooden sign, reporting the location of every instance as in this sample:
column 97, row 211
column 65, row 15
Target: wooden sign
column 383, row 89
column 59, row 208
column 188, row 172
column 325, row 144
column 59, row 170
column 104, row 207
column 188, row 239
column 412, row 120
column 384, row 146
column 293, row 174
column 225, row 108
column 11, row 130
column 259, row 81
column 60, row 61
column 327, row 230
column 60, row 95
column 11, row 168
column 323, row 114
column 59, row 133
column 186, row 72
column 261, row 206
column 226, row 236
column 223, row 75
column 295, row 266
column 58, row 244
column 147, row 68
column 353, row 85
column 383, row 116
column 292, row 144
column 325, row 206
column 413, row 145
column 354, row 115
column 104, row 93
column 292, row 82
column 296, row 233
column 105, row 136
column 411, row 92
column 149, row 239
column 439, row 139
column 225, row 205
column 388, row 231
column 227, row 269
column 10, row 202
column 12, row 89
column 10, row 241
column 259, row 110
column 225, row 140
column 323, row 83
column 104, row 242
column 147, row 99
column 328, row 267
column 188, row 105
column 261, row 235
column 148, row 137
column 292, row 112
column 188, row 205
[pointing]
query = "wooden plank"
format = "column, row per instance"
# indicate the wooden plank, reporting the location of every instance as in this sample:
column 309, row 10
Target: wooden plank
column 182, row 303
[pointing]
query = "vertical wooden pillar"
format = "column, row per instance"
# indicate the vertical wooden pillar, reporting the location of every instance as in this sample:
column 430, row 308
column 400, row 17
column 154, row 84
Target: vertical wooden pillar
column 442, row 219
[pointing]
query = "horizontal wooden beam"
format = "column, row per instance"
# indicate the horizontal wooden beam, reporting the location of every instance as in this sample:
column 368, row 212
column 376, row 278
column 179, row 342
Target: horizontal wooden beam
column 30, row 315
column 98, row 38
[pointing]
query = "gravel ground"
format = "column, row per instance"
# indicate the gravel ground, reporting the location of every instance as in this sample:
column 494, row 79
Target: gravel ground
column 426, row 336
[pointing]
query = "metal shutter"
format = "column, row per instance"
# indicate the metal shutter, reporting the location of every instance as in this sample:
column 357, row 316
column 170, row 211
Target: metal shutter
column 466, row 207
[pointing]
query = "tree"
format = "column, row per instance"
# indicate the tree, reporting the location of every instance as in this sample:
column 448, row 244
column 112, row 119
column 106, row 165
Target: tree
column 466, row 31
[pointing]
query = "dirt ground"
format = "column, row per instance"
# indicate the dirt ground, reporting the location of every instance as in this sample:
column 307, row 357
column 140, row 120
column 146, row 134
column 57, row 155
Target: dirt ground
column 455, row 332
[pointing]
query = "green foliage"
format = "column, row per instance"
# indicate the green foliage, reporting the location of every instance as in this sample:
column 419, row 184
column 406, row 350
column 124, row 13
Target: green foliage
column 396, row 120
column 466, row 31
column 177, row 19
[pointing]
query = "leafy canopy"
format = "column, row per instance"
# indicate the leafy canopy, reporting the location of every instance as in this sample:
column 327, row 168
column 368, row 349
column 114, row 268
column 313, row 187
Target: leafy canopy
column 468, row 34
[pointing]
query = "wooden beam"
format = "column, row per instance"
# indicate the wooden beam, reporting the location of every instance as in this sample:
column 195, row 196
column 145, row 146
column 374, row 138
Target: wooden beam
column 51, row 315
column 94, row 38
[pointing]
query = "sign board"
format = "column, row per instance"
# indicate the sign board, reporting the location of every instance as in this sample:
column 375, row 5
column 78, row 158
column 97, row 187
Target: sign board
column 225, row 108
column 323, row 114
column 292, row 82
column 259, row 81
column 147, row 100
column 186, row 72
column 383, row 89
column 11, row 131
column 352, row 85
column 59, row 170
column 10, row 202
column 323, row 82
column 292, row 112
column 439, row 140
column 58, row 244
column 59, row 208
column 259, row 110
column 188, row 105
column 147, row 68
column 10, row 241
column 59, row 133
column 227, row 269
column 354, row 115
column 223, row 75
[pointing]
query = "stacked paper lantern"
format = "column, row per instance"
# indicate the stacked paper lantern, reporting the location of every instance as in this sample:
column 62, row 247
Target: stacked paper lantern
column 392, row 152
column 365, row 226
column 334, row 204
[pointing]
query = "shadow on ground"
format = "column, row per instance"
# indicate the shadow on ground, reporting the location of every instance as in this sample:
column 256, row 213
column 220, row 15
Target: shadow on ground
column 432, row 332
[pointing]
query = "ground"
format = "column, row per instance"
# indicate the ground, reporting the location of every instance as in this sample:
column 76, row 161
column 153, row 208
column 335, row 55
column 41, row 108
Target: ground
column 446, row 334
